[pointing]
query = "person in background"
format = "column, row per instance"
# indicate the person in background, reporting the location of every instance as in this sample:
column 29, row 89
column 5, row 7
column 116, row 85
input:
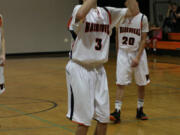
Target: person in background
column 2, row 56
column 154, row 35
column 172, row 19
column 177, row 14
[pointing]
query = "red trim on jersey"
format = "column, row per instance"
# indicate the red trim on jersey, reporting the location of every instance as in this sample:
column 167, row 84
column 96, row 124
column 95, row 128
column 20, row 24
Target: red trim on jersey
column 142, row 23
column 75, row 42
column 69, row 22
column 109, row 14
column 0, row 21
column 79, row 123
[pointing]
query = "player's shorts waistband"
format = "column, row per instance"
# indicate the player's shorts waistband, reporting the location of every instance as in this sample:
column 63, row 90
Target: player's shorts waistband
column 92, row 65
column 128, row 50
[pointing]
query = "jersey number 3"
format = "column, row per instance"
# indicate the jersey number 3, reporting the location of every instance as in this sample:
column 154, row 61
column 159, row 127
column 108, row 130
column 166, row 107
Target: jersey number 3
column 99, row 44
column 129, row 41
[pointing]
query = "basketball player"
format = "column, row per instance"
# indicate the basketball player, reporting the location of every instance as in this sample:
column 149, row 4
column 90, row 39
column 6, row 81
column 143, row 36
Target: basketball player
column 2, row 56
column 88, row 96
column 131, row 60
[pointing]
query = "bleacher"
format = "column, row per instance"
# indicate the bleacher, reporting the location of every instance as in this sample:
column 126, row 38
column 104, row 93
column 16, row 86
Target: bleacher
column 172, row 44
column 174, row 36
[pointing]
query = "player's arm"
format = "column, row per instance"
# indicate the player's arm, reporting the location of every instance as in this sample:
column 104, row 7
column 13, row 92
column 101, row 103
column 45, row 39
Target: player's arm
column 177, row 14
column 3, row 54
column 142, row 45
column 135, row 62
column 79, row 13
column 84, row 9
column 119, row 14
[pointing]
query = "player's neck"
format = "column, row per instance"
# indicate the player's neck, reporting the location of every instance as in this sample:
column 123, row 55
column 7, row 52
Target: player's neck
column 95, row 6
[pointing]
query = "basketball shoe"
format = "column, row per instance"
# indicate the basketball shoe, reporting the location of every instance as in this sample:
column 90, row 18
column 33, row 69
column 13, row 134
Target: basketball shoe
column 141, row 115
column 115, row 116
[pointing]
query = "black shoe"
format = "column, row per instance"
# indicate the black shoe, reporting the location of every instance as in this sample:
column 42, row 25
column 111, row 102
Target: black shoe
column 141, row 115
column 115, row 116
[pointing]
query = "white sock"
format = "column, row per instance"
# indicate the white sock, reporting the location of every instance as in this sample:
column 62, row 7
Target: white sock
column 118, row 105
column 140, row 103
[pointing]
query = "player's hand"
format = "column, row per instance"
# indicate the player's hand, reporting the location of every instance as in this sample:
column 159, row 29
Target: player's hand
column 2, row 60
column 135, row 62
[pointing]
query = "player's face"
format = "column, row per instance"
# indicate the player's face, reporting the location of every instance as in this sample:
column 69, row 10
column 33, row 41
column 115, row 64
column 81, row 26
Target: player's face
column 127, row 3
column 82, row 1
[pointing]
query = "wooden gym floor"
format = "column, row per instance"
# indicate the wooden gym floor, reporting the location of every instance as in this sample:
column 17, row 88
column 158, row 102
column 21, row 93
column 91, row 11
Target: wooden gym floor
column 35, row 101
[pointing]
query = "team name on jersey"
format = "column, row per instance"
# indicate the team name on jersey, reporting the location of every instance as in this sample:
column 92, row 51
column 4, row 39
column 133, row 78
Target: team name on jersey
column 130, row 30
column 93, row 27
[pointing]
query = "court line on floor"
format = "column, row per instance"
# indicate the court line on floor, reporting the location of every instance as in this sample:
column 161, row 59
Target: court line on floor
column 160, row 93
column 116, row 132
column 54, row 105
column 37, row 118
column 64, row 127
column 70, row 130
column 168, row 87
column 152, row 119
column 155, row 118
column 25, row 128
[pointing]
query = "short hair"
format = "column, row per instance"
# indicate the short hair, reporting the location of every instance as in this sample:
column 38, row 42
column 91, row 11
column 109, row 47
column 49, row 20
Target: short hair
column 80, row 1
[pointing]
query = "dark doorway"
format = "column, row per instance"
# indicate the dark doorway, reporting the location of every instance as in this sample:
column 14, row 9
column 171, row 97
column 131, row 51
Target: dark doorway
column 144, row 7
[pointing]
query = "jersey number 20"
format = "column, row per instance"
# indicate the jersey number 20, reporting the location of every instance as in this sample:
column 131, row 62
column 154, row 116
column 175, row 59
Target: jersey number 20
column 129, row 41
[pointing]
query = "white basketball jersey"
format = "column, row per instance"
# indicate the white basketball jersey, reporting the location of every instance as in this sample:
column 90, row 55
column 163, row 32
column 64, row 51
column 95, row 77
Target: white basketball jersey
column 91, row 45
column 129, row 32
column 0, row 42
column 0, row 33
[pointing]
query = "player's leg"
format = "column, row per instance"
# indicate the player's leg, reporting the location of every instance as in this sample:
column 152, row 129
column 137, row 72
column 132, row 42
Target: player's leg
column 115, row 116
column 142, row 79
column 2, row 85
column 140, row 104
column 82, row 130
column 119, row 95
column 80, row 97
column 141, row 92
column 123, row 76
column 101, row 103
column 101, row 129
column 154, row 45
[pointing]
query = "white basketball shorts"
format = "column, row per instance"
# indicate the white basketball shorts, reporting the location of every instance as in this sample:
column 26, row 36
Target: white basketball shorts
column 2, row 86
column 88, row 96
column 124, row 71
